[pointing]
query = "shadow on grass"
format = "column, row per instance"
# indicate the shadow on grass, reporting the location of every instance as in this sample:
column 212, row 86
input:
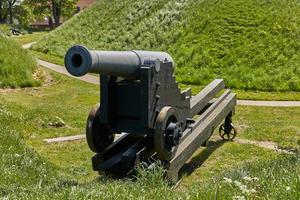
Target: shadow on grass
column 198, row 160
column 187, row 169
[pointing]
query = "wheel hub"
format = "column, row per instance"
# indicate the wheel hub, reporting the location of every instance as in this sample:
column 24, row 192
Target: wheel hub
column 173, row 134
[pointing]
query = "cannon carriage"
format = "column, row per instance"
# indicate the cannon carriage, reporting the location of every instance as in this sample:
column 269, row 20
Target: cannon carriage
column 140, row 99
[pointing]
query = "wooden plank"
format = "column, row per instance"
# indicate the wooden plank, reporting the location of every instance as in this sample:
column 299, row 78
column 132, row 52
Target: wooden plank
column 65, row 139
column 73, row 138
column 199, row 101
column 206, row 114
column 200, row 133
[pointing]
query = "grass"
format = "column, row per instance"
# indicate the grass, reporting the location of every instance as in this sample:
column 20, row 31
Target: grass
column 253, row 45
column 33, row 169
column 17, row 67
column 5, row 30
column 40, row 107
column 267, row 96
column 270, row 124
column 275, row 179
column 29, row 37
column 252, row 95
column 48, row 57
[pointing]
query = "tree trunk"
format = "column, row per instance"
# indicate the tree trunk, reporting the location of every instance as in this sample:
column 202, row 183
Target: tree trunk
column 50, row 20
column 10, row 8
column 1, row 13
column 56, row 10
column 3, row 17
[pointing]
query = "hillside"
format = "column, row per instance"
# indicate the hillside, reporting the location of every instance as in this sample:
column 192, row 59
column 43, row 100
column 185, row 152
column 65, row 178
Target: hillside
column 17, row 66
column 252, row 44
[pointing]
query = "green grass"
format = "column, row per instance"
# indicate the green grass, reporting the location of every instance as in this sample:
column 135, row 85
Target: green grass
column 253, row 95
column 278, row 178
column 5, row 30
column 270, row 124
column 267, row 96
column 252, row 44
column 48, row 58
column 17, row 66
column 29, row 37
column 33, row 169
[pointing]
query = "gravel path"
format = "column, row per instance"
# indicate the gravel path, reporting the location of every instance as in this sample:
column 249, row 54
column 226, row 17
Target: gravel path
column 266, row 144
column 269, row 103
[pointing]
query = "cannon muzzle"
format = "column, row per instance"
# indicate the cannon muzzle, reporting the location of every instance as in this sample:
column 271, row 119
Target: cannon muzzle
column 80, row 61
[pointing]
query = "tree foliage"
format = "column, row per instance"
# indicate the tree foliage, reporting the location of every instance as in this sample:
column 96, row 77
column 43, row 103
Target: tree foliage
column 7, row 10
column 53, row 9
column 23, row 14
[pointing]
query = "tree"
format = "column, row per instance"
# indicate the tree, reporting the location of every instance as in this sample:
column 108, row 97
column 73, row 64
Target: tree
column 53, row 9
column 11, row 4
column 3, row 11
column 23, row 14
column 7, row 10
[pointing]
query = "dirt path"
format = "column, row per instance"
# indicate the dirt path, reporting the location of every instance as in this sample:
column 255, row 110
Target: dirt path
column 265, row 144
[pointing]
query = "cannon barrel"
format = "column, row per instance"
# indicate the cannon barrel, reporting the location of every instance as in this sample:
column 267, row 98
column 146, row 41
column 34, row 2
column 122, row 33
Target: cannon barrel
column 79, row 61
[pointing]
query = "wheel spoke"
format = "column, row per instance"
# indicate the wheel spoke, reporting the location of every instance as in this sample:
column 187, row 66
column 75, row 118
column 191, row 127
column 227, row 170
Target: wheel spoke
column 232, row 133
column 228, row 136
column 227, row 132
column 222, row 128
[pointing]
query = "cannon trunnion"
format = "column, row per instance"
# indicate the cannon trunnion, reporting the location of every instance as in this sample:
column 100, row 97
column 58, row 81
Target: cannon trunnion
column 140, row 100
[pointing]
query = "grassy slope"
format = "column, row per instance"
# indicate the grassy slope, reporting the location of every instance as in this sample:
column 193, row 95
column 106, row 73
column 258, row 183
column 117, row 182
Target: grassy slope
column 16, row 65
column 22, row 170
column 254, row 45
column 63, row 171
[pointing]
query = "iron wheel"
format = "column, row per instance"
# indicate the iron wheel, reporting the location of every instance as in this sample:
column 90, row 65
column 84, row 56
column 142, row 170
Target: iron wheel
column 227, row 133
column 168, row 132
column 98, row 135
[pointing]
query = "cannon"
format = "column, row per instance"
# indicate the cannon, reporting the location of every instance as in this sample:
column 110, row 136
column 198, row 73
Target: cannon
column 141, row 103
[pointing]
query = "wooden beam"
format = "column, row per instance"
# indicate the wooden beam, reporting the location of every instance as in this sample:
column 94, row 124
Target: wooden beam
column 201, row 131
column 72, row 138
column 199, row 101
column 65, row 139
